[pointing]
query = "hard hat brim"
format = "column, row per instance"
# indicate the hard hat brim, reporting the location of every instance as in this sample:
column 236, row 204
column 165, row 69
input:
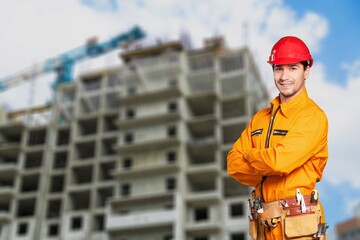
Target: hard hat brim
column 285, row 61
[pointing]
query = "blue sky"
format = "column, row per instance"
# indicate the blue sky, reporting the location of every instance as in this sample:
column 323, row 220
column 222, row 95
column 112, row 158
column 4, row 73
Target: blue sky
column 338, row 49
column 34, row 30
column 342, row 42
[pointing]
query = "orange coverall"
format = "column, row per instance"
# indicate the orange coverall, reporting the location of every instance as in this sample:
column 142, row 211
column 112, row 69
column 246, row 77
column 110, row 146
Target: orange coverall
column 285, row 143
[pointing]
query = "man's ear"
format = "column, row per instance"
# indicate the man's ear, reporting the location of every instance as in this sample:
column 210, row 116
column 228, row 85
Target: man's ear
column 307, row 72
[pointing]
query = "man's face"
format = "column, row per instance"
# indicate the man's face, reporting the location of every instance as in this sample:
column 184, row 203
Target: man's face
column 290, row 80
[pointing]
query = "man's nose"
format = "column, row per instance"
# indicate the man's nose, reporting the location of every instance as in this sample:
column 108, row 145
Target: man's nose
column 284, row 74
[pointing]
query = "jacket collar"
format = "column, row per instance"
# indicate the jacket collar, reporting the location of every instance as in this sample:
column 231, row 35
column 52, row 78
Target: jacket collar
column 288, row 108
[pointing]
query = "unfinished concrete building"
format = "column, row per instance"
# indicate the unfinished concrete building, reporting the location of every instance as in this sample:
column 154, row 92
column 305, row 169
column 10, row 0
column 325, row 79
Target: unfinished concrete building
column 135, row 152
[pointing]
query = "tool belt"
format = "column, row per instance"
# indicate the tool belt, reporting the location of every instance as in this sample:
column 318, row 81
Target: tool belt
column 299, row 220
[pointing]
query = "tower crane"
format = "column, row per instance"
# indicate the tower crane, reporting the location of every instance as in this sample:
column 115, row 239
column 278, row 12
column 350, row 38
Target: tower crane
column 63, row 64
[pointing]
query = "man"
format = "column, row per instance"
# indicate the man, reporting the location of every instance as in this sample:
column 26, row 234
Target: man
column 283, row 152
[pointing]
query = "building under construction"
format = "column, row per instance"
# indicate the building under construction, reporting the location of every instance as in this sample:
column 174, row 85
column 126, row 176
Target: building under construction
column 349, row 229
column 134, row 152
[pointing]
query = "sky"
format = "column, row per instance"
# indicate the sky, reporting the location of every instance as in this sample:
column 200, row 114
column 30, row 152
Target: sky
column 34, row 30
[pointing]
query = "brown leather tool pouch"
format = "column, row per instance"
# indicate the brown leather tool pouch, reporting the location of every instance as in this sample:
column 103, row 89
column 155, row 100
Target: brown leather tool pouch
column 256, row 230
column 271, row 214
column 253, row 229
column 303, row 225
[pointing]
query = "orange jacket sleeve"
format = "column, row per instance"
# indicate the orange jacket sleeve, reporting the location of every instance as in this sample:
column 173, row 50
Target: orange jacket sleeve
column 237, row 166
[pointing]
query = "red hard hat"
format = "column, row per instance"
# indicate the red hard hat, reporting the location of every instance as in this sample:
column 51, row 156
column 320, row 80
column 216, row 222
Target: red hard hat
column 290, row 50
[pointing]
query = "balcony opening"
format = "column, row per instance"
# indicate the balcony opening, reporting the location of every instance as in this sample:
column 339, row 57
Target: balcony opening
column 236, row 210
column 237, row 236
column 171, row 131
column 233, row 86
column 108, row 146
column 168, row 237
column 53, row 230
column 201, row 106
column 33, row 160
column 112, row 101
column 13, row 137
column 76, row 223
column 127, row 163
column 26, row 207
column 92, row 83
column 106, row 169
column 114, row 79
column 199, row 156
column 80, row 200
column 9, row 159
column 129, row 138
column 130, row 113
column 54, row 209
column 231, row 133
column 201, row 62
column 172, row 107
column 22, row 229
column 201, row 183
column 110, row 123
column 60, row 160
column 30, row 183
column 233, row 108
column 99, row 223
column 103, row 195
column 87, row 127
column 90, row 104
column 82, row 175
column 57, row 184
column 7, row 181
column 86, row 150
column 231, row 63
column 37, row 137
column 169, row 206
column 170, row 184
column 125, row 189
column 5, row 207
column 232, row 188
column 173, row 82
column 201, row 214
column 171, row 157
column 63, row 137
column 131, row 90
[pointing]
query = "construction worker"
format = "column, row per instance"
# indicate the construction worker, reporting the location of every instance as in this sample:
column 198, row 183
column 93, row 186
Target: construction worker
column 283, row 151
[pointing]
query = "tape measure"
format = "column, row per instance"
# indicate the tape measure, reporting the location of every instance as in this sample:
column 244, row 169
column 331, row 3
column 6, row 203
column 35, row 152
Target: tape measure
column 314, row 196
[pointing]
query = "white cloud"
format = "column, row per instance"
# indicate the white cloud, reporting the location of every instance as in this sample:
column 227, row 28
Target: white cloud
column 340, row 104
column 353, row 69
column 37, row 29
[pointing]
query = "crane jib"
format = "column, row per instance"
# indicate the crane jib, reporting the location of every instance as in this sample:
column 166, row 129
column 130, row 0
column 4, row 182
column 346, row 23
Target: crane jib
column 63, row 64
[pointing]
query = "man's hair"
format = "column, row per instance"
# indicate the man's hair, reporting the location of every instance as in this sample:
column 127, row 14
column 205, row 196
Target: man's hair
column 304, row 63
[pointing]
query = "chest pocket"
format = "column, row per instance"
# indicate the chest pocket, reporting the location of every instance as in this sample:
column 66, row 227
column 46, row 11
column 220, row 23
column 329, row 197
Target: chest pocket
column 280, row 132
column 256, row 132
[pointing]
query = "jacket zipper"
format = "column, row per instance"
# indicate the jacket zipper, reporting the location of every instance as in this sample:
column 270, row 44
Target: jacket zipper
column 267, row 143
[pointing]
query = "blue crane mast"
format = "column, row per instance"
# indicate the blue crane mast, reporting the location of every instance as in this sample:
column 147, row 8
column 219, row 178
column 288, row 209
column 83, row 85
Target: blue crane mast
column 63, row 64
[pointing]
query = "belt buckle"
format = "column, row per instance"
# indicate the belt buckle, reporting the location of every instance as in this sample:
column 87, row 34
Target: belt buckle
column 269, row 222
